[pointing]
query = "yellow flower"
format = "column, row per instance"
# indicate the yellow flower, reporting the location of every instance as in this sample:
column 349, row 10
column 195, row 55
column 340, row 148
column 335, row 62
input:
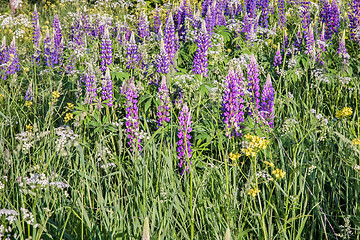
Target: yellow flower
column 229, row 50
column 26, row 69
column 234, row 156
column 55, row 94
column 29, row 128
column 279, row 173
column 345, row 112
column 253, row 192
column 68, row 117
column 355, row 141
column 269, row 163
column 70, row 105
column 28, row 103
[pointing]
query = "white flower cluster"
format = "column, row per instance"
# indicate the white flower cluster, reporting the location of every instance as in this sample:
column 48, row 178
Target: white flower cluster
column 187, row 83
column 319, row 75
column 265, row 176
column 15, row 23
column 28, row 139
column 288, row 125
column 10, row 215
column 41, row 181
column 6, row 228
column 320, row 117
column 66, row 138
column 345, row 80
column 27, row 216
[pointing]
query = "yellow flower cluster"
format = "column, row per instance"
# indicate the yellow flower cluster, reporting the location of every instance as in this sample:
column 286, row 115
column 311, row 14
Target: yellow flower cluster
column 355, row 141
column 29, row 128
column 278, row 173
column 68, row 117
column 345, row 112
column 55, row 95
column 255, row 145
column 269, row 163
column 70, row 105
column 28, row 103
column 234, row 156
column 253, row 192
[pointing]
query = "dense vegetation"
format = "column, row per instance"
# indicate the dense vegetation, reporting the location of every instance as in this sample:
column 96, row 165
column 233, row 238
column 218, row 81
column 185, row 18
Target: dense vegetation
column 182, row 120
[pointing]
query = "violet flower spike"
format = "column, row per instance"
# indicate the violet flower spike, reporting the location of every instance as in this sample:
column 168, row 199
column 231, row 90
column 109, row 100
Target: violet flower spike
column 36, row 27
column 4, row 57
column 107, row 89
column 132, row 111
column 143, row 27
column 133, row 56
column 184, row 145
column 267, row 103
column 163, row 110
column 29, row 95
column 232, row 103
column 48, row 49
column 13, row 59
column 90, row 85
column 162, row 60
column 169, row 37
column 342, row 49
column 201, row 56
column 253, row 79
column 277, row 58
column 157, row 20
column 106, row 51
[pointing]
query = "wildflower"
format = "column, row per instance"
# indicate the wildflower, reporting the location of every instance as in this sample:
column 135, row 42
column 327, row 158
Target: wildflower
column 342, row 49
column 48, row 50
column 278, row 173
column 106, row 51
column 29, row 95
column 201, row 55
column 277, row 59
column 184, row 145
column 107, row 89
column 133, row 56
column 157, row 20
column 13, row 59
column 253, row 192
column 234, row 156
column 270, row 164
column 163, row 60
column 254, row 145
column 163, row 110
column 132, row 118
column 29, row 128
column 55, row 94
column 143, row 26
column 169, row 37
column 232, row 104
column 267, row 103
column 68, row 117
column 90, row 84
column 58, row 41
column 28, row 103
column 70, row 106
column 253, row 79
column 355, row 141
column 345, row 112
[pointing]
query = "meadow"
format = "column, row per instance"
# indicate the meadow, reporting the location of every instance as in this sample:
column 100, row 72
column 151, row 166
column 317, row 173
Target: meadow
column 214, row 119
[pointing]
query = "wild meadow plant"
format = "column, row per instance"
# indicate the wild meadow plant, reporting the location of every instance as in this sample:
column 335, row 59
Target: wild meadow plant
column 179, row 120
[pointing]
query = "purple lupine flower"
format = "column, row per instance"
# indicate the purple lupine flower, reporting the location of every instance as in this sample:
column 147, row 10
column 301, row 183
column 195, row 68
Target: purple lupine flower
column 184, row 145
column 253, row 79
column 169, row 37
column 48, row 49
column 310, row 43
column 342, row 49
column 36, row 27
column 163, row 110
column 210, row 20
column 281, row 13
column 232, row 103
column 90, row 85
column 143, row 27
column 157, row 20
column 321, row 45
column 162, row 60
column 4, row 57
column 58, row 41
column 106, row 51
column 205, row 6
column 267, row 103
column 29, row 95
column 13, row 59
column 277, row 58
column 305, row 15
column 129, row 90
column 354, row 17
column 334, row 20
column 251, row 8
column 133, row 56
column 200, row 59
column 107, row 89
column 220, row 19
column 264, row 5
column 285, row 42
column 298, row 41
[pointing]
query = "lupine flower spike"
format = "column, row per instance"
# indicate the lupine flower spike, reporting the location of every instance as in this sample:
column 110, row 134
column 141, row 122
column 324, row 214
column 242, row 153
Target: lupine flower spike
column 184, row 145
column 267, row 103
column 90, row 84
column 163, row 111
column 133, row 57
column 163, row 60
column 277, row 58
column 201, row 56
column 107, row 89
column 106, row 51
column 342, row 49
column 13, row 59
column 253, row 79
column 169, row 37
